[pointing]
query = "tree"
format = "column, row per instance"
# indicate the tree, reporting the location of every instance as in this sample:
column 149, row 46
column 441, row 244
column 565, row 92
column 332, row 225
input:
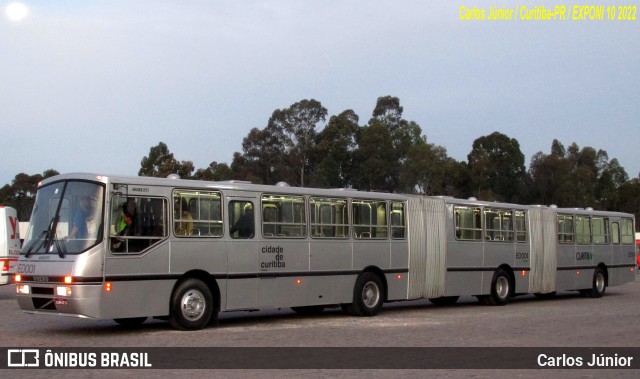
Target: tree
column 296, row 128
column 161, row 163
column 577, row 177
column 429, row 171
column 375, row 165
column 215, row 172
column 497, row 168
column 333, row 154
column 629, row 195
column 386, row 141
column 262, row 160
column 21, row 193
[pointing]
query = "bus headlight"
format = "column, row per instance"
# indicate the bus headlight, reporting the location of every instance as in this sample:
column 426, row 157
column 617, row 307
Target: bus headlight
column 23, row 289
column 63, row 291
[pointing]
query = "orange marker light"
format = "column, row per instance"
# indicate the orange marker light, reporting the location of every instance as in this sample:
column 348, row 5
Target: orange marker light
column 68, row 279
column 17, row 278
column 107, row 287
column 298, row 281
column 399, row 276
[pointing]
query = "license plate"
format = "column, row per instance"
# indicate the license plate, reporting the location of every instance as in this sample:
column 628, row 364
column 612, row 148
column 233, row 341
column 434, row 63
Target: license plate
column 60, row 301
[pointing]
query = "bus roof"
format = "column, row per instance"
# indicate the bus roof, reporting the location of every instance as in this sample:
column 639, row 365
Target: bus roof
column 282, row 188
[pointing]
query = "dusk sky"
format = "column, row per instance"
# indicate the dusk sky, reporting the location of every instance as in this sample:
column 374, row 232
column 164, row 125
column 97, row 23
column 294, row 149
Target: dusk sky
column 91, row 86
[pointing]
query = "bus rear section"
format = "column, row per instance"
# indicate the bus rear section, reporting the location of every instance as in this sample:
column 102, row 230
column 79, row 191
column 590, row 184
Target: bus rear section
column 9, row 242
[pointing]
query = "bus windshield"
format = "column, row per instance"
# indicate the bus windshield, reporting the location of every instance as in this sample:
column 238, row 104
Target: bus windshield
column 66, row 219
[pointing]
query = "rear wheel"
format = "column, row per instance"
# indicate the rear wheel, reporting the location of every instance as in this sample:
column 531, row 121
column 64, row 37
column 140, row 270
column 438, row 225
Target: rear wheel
column 191, row 305
column 599, row 284
column 501, row 288
column 368, row 296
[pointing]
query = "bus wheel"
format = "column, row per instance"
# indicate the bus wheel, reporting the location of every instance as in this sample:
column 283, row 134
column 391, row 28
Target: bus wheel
column 599, row 284
column 500, row 288
column 131, row 321
column 444, row 300
column 368, row 296
column 191, row 305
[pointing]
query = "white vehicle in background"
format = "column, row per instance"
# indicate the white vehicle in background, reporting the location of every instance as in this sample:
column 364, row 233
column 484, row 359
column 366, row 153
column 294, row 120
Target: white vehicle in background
column 9, row 242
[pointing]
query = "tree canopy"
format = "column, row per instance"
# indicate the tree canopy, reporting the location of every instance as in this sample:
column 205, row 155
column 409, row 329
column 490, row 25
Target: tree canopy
column 392, row 154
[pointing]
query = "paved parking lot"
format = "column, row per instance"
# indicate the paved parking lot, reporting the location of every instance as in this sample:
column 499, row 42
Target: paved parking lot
column 568, row 320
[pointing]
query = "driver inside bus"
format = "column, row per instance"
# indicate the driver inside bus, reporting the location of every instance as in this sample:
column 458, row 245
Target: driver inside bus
column 84, row 222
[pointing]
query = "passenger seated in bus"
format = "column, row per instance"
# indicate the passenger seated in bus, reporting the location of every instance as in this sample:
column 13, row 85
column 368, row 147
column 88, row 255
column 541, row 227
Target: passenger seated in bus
column 244, row 226
column 185, row 228
column 124, row 224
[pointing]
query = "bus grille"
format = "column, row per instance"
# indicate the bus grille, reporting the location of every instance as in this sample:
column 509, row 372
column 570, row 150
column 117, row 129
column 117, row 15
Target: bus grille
column 41, row 291
column 43, row 303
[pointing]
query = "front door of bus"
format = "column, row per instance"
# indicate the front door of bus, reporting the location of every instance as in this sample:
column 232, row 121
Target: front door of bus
column 242, row 254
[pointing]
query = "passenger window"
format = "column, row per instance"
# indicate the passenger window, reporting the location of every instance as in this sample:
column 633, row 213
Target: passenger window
column 398, row 228
column 499, row 225
column 468, row 223
column 197, row 213
column 329, row 218
column 241, row 219
column 627, row 234
column 137, row 223
column 369, row 219
column 600, row 230
column 615, row 233
column 565, row 229
column 583, row 229
column 521, row 226
column 283, row 216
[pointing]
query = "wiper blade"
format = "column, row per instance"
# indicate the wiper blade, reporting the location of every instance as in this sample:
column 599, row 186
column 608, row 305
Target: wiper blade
column 60, row 245
column 35, row 245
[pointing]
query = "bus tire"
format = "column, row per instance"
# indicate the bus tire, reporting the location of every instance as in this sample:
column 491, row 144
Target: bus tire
column 368, row 296
column 130, row 321
column 501, row 288
column 599, row 284
column 191, row 305
column 444, row 300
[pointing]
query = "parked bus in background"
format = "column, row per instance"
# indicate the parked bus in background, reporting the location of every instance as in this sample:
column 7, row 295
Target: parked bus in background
column 129, row 248
column 9, row 242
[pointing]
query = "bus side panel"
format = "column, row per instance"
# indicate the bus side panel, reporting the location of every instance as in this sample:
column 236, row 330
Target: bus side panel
column 242, row 285
column 371, row 253
column 283, row 256
column 463, row 283
column 398, row 287
column 566, row 277
column 330, row 255
column 198, row 254
column 464, row 268
column 498, row 253
column 140, row 298
column 292, row 291
column 139, row 283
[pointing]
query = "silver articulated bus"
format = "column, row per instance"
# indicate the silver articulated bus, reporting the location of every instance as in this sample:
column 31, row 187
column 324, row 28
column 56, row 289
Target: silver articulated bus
column 129, row 248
